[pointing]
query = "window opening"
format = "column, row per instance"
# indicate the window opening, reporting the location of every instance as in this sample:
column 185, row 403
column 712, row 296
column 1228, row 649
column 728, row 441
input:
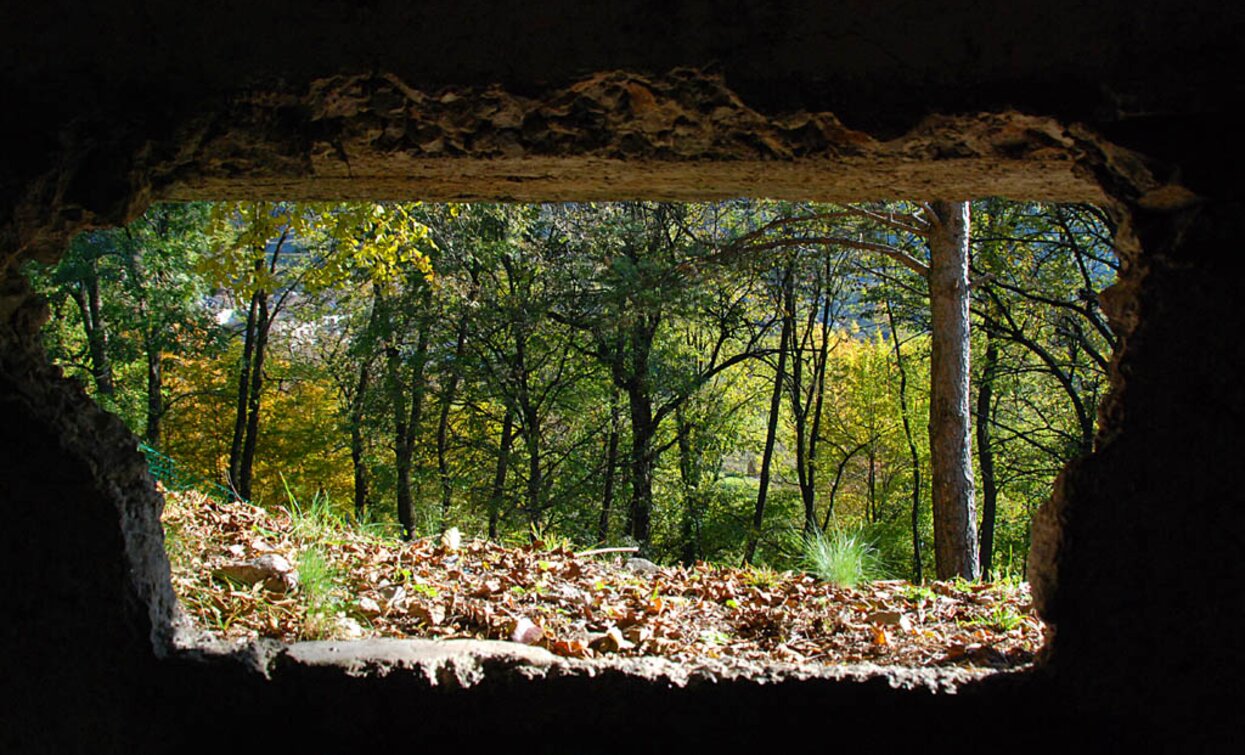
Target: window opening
column 684, row 430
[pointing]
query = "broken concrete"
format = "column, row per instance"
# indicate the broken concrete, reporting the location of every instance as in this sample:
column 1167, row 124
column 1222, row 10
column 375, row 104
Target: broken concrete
column 1135, row 558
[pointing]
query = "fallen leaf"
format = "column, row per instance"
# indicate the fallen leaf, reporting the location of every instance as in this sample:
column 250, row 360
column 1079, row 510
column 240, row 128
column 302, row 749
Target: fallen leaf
column 570, row 648
column 611, row 642
column 432, row 615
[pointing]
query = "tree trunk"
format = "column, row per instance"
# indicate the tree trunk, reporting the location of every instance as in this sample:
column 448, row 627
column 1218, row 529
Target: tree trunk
column 642, row 431
column 800, row 410
column 88, row 300
column 916, row 461
column 643, row 428
column 819, row 392
column 499, row 474
column 137, row 281
column 406, row 422
column 955, row 530
column 689, row 475
column 155, row 392
column 244, row 392
column 611, row 467
column 535, row 480
column 247, row 463
column 443, row 422
column 356, row 443
column 985, row 457
column 771, row 430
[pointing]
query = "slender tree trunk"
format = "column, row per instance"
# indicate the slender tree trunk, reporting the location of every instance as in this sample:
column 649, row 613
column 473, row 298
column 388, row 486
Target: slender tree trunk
column 985, row 457
column 243, row 394
column 530, row 426
column 247, row 463
column 155, row 392
column 406, row 421
column 88, row 300
column 611, row 467
column 955, row 525
column 819, row 392
column 912, row 454
column 443, row 422
column 689, row 475
column 771, row 430
column 642, row 432
column 356, row 442
column 838, row 478
column 535, row 478
column 643, row 429
column 137, row 283
column 499, row 474
column 871, row 504
column 800, row 410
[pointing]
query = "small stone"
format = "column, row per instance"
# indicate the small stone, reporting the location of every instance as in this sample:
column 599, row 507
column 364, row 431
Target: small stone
column 526, row 632
column 642, row 565
column 347, row 628
column 276, row 573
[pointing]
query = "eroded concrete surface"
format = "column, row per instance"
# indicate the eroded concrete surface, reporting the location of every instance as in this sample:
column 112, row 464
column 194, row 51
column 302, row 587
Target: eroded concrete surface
column 1137, row 557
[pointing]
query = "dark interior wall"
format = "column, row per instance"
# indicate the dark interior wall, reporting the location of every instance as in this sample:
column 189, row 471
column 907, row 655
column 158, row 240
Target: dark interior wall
column 108, row 108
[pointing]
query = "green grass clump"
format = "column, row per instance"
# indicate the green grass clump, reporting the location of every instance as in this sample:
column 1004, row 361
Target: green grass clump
column 315, row 521
column 1001, row 619
column 317, row 586
column 842, row 557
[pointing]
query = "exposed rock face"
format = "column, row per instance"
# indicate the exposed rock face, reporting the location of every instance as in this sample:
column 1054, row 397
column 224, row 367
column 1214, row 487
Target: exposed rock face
column 1135, row 559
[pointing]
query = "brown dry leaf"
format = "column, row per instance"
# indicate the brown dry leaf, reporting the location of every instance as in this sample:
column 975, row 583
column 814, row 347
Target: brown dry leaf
column 433, row 615
column 483, row 586
column 611, row 642
column 570, row 648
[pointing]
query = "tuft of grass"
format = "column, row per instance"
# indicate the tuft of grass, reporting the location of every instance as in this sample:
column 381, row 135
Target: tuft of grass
column 312, row 522
column 1001, row 619
column 842, row 557
column 317, row 584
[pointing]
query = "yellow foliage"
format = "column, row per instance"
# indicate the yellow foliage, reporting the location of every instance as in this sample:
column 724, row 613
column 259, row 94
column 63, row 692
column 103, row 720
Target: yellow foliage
column 300, row 432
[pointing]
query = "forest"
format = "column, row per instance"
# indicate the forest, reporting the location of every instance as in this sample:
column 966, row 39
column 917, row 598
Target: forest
column 724, row 382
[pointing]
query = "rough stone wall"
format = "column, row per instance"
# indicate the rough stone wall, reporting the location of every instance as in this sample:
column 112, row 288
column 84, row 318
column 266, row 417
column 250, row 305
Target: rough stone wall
column 1135, row 557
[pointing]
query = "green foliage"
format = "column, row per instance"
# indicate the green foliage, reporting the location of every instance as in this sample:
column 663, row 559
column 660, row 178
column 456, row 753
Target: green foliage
column 842, row 556
column 569, row 314
column 1001, row 618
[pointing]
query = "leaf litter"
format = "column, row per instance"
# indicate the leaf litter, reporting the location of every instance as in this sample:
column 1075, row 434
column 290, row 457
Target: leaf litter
column 574, row 605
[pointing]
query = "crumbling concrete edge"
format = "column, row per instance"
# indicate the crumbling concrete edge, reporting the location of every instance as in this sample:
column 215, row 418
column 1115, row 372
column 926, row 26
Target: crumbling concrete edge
column 466, row 663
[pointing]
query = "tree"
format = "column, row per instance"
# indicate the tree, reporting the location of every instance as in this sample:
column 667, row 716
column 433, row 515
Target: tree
column 944, row 229
column 786, row 286
column 633, row 269
column 1046, row 351
column 270, row 254
column 137, row 300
